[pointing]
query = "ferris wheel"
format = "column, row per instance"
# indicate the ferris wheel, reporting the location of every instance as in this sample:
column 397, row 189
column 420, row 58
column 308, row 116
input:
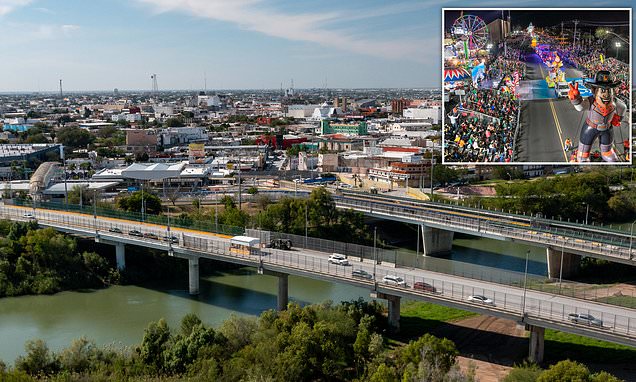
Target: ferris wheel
column 472, row 30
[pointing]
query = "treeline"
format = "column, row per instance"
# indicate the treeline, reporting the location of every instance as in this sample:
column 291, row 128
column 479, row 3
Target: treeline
column 314, row 343
column 43, row 261
column 566, row 196
column 322, row 342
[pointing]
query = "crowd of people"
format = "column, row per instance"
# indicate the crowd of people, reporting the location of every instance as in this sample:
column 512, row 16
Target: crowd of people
column 587, row 58
column 482, row 128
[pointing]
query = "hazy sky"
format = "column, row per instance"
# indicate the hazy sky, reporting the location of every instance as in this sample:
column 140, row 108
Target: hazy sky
column 106, row 44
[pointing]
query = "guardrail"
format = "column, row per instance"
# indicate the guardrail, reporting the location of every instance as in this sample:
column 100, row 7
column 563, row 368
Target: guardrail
column 618, row 324
column 553, row 237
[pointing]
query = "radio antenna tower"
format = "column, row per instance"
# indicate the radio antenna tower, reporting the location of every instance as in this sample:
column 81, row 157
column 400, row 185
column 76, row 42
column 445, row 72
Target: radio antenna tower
column 155, row 87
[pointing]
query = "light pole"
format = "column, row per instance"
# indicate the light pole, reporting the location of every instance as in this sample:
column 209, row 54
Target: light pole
column 432, row 166
column 587, row 211
column 306, row 221
column 561, row 268
column 375, row 252
column 65, row 185
column 617, row 45
column 525, row 282
column 631, row 239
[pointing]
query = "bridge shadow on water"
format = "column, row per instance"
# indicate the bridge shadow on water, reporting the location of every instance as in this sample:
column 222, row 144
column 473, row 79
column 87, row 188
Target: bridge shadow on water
column 240, row 290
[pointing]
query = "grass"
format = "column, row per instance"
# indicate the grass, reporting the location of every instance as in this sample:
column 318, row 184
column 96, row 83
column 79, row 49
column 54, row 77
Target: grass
column 418, row 318
column 559, row 345
column 626, row 301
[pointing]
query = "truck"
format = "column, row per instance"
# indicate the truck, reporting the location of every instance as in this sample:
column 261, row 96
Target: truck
column 285, row 244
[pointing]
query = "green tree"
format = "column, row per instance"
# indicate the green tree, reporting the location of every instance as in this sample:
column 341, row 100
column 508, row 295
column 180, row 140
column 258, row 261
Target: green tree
column 132, row 203
column 74, row 137
column 154, row 343
column 565, row 371
column 38, row 359
column 526, row 372
column 174, row 122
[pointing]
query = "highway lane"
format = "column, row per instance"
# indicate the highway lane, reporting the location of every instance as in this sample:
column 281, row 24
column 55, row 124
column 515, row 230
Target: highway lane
column 451, row 290
column 547, row 122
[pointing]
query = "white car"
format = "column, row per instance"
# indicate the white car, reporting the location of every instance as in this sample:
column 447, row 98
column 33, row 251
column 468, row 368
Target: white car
column 393, row 280
column 29, row 215
column 481, row 299
column 339, row 259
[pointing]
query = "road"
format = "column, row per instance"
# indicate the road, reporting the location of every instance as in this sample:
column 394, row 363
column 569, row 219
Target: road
column 546, row 122
column 515, row 303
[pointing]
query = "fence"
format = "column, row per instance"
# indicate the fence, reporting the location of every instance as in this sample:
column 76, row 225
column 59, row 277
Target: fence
column 206, row 226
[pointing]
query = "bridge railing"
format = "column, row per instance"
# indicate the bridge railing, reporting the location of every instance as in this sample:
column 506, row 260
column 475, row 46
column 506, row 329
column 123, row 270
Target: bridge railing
column 181, row 222
column 588, row 241
column 508, row 301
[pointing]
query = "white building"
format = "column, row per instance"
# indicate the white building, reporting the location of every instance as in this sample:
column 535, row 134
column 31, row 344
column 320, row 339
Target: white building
column 301, row 111
column 433, row 113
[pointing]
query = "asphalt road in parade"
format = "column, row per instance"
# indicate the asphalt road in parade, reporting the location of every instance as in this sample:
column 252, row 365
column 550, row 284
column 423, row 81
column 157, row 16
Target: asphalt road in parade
column 546, row 121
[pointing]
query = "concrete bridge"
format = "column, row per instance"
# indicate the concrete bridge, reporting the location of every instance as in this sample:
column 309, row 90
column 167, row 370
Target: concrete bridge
column 536, row 310
column 439, row 221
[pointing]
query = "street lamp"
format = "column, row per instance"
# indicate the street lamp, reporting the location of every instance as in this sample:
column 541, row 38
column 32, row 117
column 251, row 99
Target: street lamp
column 617, row 45
column 525, row 282
column 375, row 252
column 631, row 239
column 587, row 211
column 306, row 220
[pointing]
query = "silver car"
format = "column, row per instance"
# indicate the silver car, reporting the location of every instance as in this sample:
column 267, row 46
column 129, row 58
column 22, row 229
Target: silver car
column 587, row 319
column 394, row 280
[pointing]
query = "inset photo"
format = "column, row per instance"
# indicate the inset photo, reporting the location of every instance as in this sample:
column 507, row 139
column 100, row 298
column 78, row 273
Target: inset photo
column 536, row 86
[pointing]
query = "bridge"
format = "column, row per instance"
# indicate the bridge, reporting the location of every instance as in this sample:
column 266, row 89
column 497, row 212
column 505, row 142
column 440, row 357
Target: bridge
column 536, row 310
column 439, row 221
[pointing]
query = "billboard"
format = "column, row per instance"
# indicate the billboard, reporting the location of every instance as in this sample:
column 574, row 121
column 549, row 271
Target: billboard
column 196, row 150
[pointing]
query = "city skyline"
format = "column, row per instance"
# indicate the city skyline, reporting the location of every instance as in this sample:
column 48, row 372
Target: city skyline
column 246, row 44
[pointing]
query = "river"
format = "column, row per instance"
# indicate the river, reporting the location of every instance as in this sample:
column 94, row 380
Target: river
column 119, row 314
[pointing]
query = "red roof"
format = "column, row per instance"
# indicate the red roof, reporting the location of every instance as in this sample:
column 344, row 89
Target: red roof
column 402, row 149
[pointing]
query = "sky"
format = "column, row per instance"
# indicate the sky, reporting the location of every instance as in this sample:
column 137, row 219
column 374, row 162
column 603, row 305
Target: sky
column 228, row 44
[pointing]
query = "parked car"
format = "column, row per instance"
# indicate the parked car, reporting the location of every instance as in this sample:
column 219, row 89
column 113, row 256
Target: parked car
column 170, row 239
column 134, row 232
column 339, row 259
column 424, row 287
column 394, row 280
column 361, row 274
column 149, row 235
column 114, row 230
column 29, row 215
column 587, row 319
column 481, row 299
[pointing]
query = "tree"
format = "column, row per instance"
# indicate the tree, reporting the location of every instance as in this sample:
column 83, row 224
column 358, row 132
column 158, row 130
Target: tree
column 565, row 371
column 133, row 202
column 86, row 195
column 156, row 336
column 38, row 359
column 74, row 137
column 444, row 174
column 174, row 122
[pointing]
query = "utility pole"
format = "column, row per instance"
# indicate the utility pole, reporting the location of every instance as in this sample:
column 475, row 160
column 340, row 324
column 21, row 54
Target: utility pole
column 576, row 22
